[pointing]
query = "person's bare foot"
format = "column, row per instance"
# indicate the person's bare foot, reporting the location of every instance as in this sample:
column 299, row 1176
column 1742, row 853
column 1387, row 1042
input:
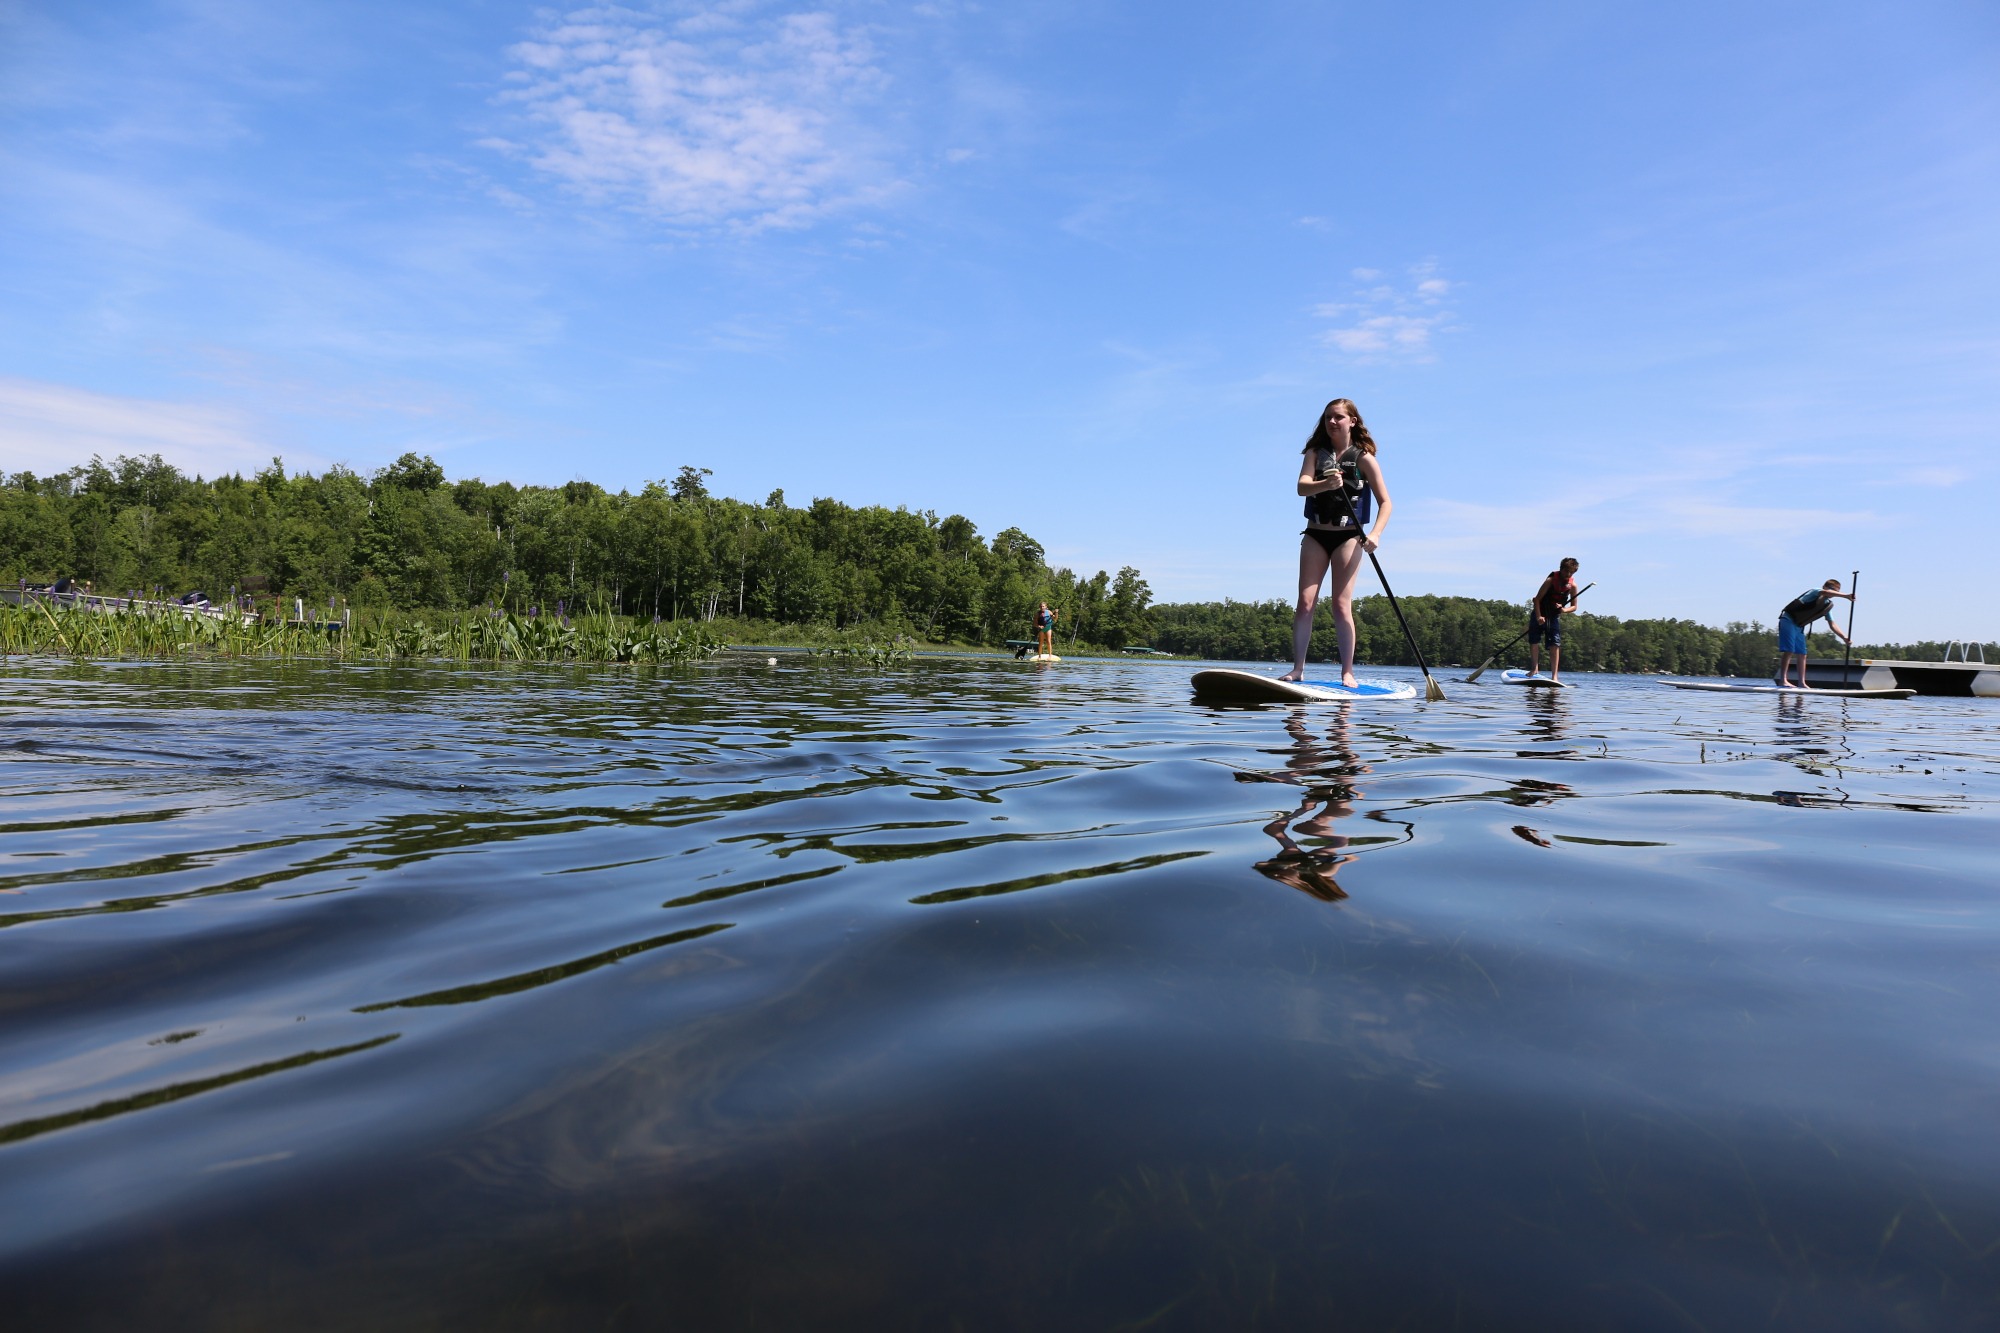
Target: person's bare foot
column 1294, row 677
column 1347, row 679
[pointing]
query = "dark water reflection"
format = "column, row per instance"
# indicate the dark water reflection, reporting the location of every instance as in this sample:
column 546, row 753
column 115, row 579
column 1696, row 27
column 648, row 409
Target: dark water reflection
column 985, row 996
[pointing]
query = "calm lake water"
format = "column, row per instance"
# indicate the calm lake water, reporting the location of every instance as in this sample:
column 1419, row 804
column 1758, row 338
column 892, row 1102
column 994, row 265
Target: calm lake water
column 978, row 995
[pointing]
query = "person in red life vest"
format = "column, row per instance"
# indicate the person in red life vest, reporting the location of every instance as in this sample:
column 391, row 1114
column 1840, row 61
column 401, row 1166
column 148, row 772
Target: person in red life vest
column 1797, row 618
column 1555, row 599
column 1339, row 457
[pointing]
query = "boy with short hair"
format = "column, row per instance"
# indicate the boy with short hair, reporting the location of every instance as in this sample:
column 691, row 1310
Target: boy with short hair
column 1555, row 599
column 1797, row 617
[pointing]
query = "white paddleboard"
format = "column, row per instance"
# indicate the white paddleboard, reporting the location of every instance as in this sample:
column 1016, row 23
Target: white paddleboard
column 1245, row 687
column 1535, row 682
column 1718, row 687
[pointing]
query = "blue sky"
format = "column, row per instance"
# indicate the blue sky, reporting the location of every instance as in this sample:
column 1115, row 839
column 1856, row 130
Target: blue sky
column 1707, row 295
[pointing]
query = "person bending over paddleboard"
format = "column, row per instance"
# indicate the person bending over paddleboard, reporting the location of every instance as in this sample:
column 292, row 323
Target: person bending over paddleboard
column 1555, row 599
column 1797, row 618
column 1339, row 458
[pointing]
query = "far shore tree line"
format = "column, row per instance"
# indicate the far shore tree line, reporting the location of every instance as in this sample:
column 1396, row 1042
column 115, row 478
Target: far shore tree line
column 409, row 539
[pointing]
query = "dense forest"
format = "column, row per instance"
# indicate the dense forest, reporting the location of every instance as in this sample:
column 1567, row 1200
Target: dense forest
column 407, row 538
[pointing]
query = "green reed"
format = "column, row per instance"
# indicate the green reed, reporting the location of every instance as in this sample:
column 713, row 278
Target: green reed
column 472, row 636
column 859, row 648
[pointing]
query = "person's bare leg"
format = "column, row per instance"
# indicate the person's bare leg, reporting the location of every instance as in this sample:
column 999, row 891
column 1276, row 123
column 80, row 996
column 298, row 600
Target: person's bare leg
column 1534, row 654
column 1555, row 661
column 1802, row 672
column 1346, row 566
column 1313, row 561
column 1343, row 628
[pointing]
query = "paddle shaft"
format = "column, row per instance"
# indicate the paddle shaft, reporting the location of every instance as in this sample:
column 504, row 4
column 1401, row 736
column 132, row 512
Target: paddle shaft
column 1474, row 677
column 1854, row 590
column 1432, row 690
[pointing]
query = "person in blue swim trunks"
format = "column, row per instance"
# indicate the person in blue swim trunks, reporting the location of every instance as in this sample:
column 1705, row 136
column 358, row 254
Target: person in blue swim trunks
column 1797, row 618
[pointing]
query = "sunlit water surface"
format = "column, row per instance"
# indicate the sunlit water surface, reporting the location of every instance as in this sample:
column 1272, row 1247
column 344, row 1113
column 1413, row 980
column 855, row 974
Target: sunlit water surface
column 980, row 995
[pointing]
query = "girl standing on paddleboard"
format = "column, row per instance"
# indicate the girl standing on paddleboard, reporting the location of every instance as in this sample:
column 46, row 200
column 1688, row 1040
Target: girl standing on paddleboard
column 1340, row 456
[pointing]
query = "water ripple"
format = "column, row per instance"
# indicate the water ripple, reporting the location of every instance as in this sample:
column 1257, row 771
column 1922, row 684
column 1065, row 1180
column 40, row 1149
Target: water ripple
column 978, row 994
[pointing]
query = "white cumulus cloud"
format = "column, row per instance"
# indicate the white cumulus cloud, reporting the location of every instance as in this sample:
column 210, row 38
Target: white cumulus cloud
column 1384, row 321
column 706, row 116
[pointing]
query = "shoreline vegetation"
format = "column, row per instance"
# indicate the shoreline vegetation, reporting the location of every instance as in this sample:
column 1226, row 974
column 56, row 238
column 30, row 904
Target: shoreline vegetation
column 409, row 565
column 407, row 541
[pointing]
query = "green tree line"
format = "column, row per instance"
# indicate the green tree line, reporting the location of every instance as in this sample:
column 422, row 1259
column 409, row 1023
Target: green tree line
column 1462, row 631
column 406, row 537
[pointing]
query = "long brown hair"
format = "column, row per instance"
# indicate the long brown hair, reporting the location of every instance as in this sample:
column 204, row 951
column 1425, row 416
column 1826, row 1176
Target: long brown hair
column 1358, row 433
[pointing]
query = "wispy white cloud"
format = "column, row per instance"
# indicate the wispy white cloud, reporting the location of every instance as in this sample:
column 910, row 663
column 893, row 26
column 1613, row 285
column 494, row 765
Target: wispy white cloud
column 1455, row 537
column 1384, row 321
column 52, row 427
column 1941, row 477
column 717, row 115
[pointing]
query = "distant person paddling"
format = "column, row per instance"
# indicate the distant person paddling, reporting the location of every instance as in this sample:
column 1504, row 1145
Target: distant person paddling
column 1045, row 630
column 1339, row 458
column 1797, row 618
column 1555, row 599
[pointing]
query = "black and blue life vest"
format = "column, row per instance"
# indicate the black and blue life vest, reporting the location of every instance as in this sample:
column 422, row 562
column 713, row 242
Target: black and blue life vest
column 1808, row 606
column 1325, row 507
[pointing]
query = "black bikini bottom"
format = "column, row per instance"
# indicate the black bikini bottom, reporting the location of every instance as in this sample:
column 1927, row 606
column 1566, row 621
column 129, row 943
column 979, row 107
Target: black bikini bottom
column 1332, row 538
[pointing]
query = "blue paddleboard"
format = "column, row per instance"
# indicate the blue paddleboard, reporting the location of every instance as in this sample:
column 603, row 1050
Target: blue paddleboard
column 1244, row 687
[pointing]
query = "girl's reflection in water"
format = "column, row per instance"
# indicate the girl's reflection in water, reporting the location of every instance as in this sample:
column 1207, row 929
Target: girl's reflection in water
column 1323, row 769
